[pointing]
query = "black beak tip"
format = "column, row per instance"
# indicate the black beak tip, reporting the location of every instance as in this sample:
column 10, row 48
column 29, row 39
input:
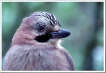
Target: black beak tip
column 68, row 33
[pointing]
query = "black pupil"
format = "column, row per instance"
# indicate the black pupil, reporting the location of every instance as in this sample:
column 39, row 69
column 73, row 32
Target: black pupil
column 40, row 28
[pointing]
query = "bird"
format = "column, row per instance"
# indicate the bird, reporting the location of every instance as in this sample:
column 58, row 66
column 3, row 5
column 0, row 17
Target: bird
column 36, row 45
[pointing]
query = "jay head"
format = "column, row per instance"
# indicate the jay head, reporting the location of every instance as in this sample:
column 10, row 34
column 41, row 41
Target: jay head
column 36, row 45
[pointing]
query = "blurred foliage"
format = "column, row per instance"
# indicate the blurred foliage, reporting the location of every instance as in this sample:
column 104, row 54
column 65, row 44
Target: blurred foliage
column 83, row 19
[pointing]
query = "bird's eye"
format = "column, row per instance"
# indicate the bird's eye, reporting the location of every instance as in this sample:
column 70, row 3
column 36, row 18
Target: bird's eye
column 40, row 28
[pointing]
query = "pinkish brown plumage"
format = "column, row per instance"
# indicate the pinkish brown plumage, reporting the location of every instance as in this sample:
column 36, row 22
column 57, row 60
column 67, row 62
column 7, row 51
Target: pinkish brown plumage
column 36, row 45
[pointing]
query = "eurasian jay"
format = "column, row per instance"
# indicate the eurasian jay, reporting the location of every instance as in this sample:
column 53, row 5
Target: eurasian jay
column 36, row 45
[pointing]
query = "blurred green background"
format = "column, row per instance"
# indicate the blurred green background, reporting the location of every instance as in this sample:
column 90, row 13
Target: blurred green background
column 83, row 19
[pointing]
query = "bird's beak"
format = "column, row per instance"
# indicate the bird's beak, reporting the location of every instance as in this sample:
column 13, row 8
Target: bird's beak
column 62, row 33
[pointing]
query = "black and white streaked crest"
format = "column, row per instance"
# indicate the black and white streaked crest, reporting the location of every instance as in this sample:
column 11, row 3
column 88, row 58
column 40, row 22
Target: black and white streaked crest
column 51, row 17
